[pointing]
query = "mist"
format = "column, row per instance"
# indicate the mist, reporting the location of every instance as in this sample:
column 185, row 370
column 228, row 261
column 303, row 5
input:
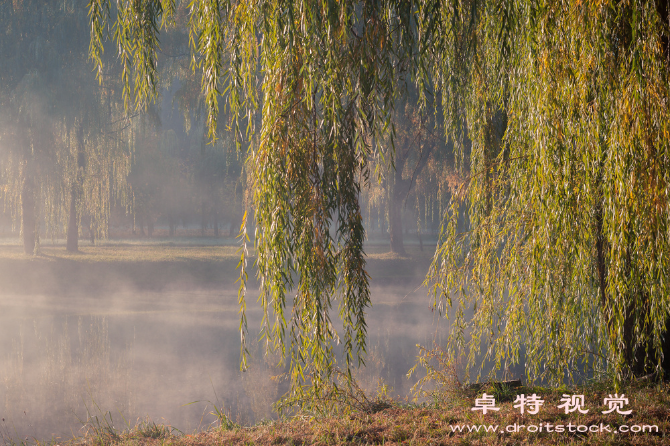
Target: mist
column 119, row 249
column 87, row 342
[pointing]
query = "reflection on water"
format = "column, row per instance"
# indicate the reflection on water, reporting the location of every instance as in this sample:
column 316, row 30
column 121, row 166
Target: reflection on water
column 55, row 374
column 137, row 355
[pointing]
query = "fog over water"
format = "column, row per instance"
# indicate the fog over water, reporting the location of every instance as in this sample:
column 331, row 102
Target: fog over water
column 124, row 351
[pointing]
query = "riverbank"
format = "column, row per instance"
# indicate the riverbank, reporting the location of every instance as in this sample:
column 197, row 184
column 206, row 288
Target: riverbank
column 168, row 264
column 448, row 422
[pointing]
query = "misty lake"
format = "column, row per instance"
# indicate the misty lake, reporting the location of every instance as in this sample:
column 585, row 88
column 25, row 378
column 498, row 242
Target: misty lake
column 110, row 346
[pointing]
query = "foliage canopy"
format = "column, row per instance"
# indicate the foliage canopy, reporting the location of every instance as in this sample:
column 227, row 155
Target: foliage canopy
column 566, row 252
column 565, row 104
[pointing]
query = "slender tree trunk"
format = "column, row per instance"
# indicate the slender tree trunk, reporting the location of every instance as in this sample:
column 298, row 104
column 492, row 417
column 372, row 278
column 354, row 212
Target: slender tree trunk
column 216, row 224
column 203, row 222
column 418, row 233
column 397, row 198
column 110, row 203
column 666, row 349
column 91, row 230
column 233, row 229
column 72, row 243
column 73, row 226
column 28, row 212
column 395, row 225
column 171, row 224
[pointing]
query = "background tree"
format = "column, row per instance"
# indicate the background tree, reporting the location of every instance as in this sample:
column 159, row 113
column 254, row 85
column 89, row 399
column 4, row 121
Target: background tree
column 58, row 163
column 415, row 177
column 416, row 144
column 27, row 108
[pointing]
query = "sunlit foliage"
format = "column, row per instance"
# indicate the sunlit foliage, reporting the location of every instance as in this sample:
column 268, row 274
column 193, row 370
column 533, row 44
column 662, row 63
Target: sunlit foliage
column 565, row 260
column 564, row 257
column 323, row 76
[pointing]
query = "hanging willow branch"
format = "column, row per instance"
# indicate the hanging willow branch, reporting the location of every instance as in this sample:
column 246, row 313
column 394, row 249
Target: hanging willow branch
column 566, row 246
column 564, row 265
column 323, row 77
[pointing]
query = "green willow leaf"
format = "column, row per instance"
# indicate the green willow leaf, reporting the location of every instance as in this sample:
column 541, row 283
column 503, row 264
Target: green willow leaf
column 554, row 249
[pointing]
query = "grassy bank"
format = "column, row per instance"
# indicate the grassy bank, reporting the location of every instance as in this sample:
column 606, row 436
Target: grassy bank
column 110, row 268
column 155, row 266
column 437, row 424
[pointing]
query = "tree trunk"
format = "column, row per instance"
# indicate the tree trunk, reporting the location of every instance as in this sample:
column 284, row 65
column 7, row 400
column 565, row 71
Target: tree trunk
column 171, row 224
column 639, row 359
column 73, row 226
column 203, row 223
column 666, row 349
column 72, row 243
column 395, row 225
column 418, row 233
column 232, row 231
column 28, row 212
column 401, row 188
column 91, row 230
column 216, row 224
column 28, row 217
column 111, row 206
column 397, row 198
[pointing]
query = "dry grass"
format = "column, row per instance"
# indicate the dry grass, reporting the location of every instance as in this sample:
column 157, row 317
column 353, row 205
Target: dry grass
column 111, row 267
column 416, row 425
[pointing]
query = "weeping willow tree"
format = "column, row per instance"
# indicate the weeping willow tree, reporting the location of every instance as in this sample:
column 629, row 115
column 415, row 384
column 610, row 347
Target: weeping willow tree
column 323, row 77
column 30, row 173
column 564, row 258
column 326, row 82
column 27, row 159
column 60, row 159
column 95, row 154
column 564, row 263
